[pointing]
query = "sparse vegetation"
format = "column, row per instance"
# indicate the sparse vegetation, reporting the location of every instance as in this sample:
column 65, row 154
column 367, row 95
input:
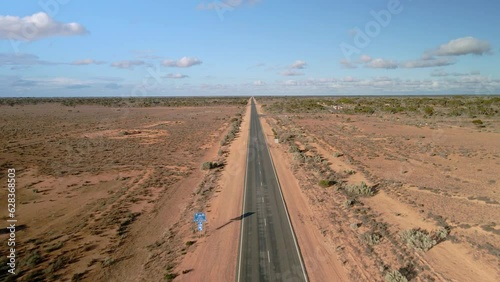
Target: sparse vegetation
column 429, row 110
column 418, row 239
column 370, row 238
column 33, row 259
column 233, row 130
column 56, row 265
column 210, row 165
column 395, row 276
column 325, row 183
column 108, row 261
column 190, row 243
column 392, row 142
column 53, row 247
column 170, row 276
column 129, row 101
column 430, row 106
column 362, row 190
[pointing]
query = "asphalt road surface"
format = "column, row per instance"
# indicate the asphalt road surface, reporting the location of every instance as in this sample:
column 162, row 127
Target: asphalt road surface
column 268, row 249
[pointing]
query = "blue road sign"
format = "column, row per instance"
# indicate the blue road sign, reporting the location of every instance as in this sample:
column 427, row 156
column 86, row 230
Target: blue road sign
column 200, row 217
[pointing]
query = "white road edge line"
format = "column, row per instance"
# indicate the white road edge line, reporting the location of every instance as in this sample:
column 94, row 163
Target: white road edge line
column 244, row 194
column 286, row 209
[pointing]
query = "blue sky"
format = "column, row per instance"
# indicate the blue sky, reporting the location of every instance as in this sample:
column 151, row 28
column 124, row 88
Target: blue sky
column 248, row 47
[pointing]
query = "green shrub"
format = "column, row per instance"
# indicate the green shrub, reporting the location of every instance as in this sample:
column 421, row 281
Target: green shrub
column 428, row 110
column 326, row 183
column 349, row 203
column 395, row 276
column 299, row 157
column 477, row 122
column 364, row 109
column 53, row 247
column 360, row 190
column 34, row 258
column 349, row 172
column 370, row 238
column 441, row 234
column 293, row 149
column 170, row 276
column 209, row 165
column 56, row 265
column 418, row 239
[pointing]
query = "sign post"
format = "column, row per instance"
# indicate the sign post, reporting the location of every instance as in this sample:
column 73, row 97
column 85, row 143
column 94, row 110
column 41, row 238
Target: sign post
column 200, row 217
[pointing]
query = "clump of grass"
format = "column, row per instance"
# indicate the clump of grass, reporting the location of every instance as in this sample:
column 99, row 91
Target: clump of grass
column 418, row 239
column 170, row 276
column 478, row 122
column 189, row 243
column 349, row 172
column 34, row 258
column 77, row 277
column 349, row 203
column 325, row 183
column 395, row 276
column 360, row 190
column 293, row 149
column 429, row 110
column 441, row 234
column 299, row 157
column 370, row 238
column 108, row 261
column 53, row 247
column 210, row 165
column 56, row 265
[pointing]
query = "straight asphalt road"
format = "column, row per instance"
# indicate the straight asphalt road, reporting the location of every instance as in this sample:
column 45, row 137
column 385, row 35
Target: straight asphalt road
column 268, row 247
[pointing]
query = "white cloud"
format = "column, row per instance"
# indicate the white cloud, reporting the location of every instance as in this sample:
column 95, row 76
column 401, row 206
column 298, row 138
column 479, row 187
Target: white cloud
column 382, row 64
column 463, row 46
column 35, row 27
column 441, row 73
column 427, row 63
column 176, row 75
column 347, row 64
column 86, row 62
column 183, row 62
column 9, row 59
column 127, row 64
column 291, row 73
column 349, row 79
column 298, row 65
column 259, row 83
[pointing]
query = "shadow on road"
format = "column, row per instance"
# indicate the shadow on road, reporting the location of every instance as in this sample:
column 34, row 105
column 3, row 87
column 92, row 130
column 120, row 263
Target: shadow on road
column 247, row 214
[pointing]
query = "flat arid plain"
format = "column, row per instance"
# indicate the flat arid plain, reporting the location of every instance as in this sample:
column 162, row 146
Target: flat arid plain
column 377, row 188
